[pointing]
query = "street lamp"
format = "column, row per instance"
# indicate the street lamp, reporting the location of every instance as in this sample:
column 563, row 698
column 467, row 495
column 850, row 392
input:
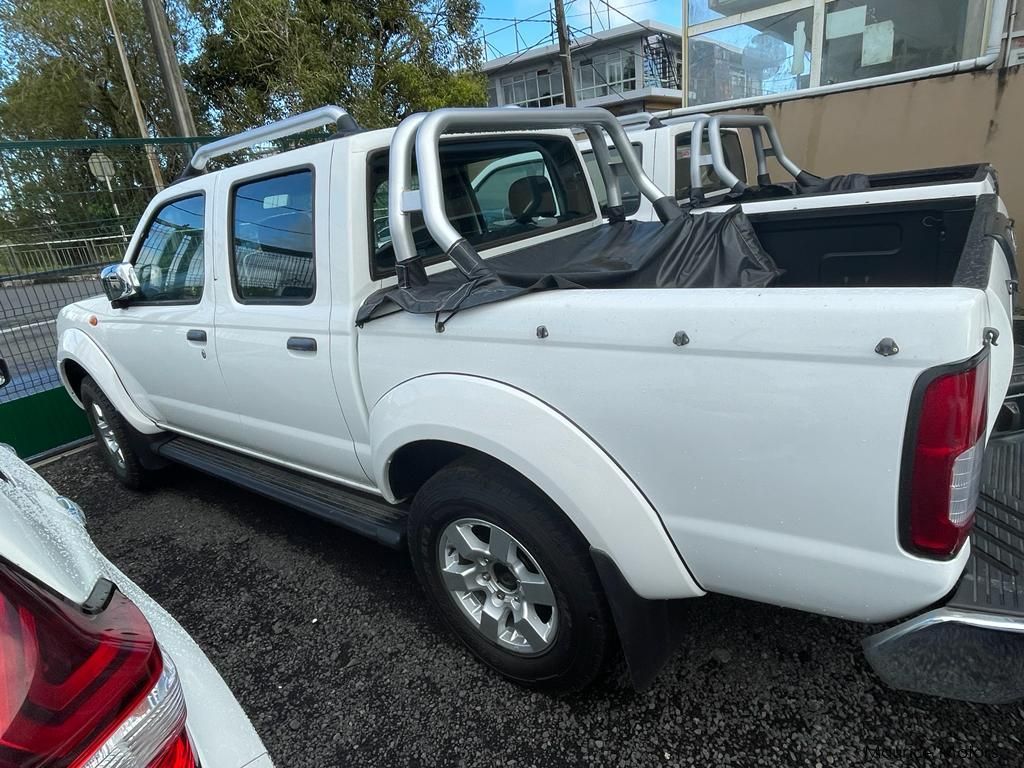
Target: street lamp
column 102, row 167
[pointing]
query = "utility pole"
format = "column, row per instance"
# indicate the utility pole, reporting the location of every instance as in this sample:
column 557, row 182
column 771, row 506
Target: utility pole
column 568, row 84
column 684, row 55
column 154, row 164
column 170, row 73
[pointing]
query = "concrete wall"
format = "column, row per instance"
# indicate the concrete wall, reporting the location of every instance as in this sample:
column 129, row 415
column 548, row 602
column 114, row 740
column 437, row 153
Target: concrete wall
column 966, row 118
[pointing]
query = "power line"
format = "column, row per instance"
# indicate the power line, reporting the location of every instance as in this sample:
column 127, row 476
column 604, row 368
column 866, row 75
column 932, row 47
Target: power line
column 511, row 61
column 626, row 16
column 597, row 72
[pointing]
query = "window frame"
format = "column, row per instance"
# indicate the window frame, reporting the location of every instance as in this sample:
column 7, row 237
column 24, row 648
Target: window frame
column 232, row 266
column 439, row 258
column 137, row 251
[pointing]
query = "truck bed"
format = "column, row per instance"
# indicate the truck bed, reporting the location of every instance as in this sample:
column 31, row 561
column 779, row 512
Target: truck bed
column 994, row 578
column 938, row 242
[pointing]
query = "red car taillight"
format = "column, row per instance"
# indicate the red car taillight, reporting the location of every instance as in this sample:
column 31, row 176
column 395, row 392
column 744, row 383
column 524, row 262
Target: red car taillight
column 84, row 688
column 946, row 440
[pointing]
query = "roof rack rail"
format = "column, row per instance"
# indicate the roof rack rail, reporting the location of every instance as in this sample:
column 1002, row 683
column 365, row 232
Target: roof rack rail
column 280, row 129
column 634, row 118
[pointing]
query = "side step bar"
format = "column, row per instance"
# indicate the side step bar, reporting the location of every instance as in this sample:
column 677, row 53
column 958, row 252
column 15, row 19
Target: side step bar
column 358, row 512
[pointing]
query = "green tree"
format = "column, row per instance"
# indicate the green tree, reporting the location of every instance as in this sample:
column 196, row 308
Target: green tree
column 264, row 59
column 62, row 79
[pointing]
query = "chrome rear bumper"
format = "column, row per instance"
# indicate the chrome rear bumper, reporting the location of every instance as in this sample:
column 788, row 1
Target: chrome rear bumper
column 953, row 653
column 972, row 647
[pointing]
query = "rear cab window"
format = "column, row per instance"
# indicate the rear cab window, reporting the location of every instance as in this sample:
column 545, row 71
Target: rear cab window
column 709, row 179
column 496, row 191
column 272, row 259
column 627, row 187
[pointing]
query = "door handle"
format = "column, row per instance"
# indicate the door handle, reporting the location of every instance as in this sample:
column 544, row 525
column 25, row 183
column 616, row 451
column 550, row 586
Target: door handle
column 195, row 334
column 302, row 344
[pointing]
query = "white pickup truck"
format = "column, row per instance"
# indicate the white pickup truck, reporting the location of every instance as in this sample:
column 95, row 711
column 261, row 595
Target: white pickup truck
column 578, row 423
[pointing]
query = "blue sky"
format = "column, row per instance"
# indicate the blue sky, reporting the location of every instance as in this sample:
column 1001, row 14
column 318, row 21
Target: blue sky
column 578, row 16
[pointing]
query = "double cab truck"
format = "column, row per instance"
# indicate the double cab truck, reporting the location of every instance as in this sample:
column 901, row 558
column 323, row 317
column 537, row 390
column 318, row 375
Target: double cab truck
column 437, row 336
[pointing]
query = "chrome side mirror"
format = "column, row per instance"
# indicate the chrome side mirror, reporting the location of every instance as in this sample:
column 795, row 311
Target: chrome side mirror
column 120, row 283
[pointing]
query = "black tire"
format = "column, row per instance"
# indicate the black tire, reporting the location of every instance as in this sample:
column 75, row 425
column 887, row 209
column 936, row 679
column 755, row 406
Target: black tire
column 487, row 491
column 126, row 465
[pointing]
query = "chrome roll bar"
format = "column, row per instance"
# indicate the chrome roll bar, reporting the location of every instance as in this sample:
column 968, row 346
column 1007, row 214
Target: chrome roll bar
column 759, row 127
column 428, row 131
column 403, row 200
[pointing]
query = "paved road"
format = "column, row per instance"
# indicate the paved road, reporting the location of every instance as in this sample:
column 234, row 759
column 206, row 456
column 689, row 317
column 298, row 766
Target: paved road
column 328, row 643
column 27, row 331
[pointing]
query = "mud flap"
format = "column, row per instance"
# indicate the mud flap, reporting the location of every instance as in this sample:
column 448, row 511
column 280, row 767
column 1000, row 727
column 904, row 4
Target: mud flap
column 649, row 630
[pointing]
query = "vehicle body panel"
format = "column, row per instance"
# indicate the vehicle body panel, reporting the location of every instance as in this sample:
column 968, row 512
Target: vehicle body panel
column 75, row 344
column 745, row 439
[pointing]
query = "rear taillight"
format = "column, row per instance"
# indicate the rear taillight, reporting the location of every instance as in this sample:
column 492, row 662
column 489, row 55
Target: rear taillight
column 84, row 688
column 946, row 444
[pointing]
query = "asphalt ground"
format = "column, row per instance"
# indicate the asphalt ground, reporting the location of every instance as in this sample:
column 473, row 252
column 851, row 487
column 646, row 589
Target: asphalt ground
column 330, row 646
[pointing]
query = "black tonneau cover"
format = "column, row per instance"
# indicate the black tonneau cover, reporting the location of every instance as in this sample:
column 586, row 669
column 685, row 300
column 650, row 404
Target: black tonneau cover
column 706, row 250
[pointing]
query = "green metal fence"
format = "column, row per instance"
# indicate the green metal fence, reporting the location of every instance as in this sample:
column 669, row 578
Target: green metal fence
column 67, row 208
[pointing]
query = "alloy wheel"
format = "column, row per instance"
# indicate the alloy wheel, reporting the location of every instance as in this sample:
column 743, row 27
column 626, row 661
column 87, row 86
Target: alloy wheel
column 498, row 586
column 106, row 433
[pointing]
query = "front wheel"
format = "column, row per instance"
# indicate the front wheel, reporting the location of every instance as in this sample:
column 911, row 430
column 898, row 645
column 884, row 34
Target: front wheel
column 510, row 576
column 112, row 436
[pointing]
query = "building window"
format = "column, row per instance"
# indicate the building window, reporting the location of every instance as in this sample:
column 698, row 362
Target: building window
column 748, row 48
column 542, row 88
column 605, row 74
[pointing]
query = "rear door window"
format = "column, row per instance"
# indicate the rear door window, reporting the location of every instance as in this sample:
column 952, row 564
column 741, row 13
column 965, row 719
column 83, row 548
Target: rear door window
column 709, row 179
column 496, row 191
column 272, row 239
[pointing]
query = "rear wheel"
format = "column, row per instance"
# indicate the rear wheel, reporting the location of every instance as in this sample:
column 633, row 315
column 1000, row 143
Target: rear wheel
column 112, row 436
column 510, row 576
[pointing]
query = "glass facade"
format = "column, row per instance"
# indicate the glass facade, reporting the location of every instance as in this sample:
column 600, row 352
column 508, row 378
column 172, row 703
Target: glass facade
column 746, row 48
column 746, row 60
